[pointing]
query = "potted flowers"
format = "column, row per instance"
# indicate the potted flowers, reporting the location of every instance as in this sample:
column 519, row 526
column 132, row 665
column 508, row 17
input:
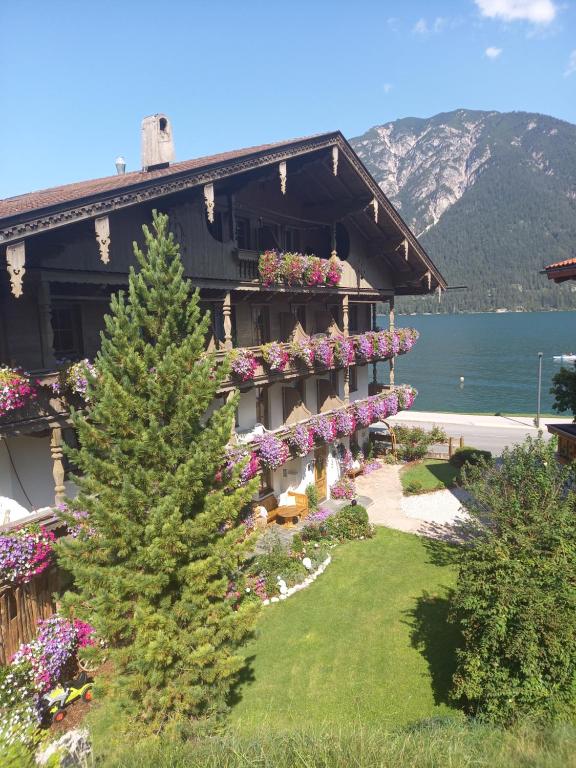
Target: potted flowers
column 73, row 379
column 15, row 389
column 25, row 553
column 243, row 364
column 275, row 356
column 300, row 439
column 272, row 451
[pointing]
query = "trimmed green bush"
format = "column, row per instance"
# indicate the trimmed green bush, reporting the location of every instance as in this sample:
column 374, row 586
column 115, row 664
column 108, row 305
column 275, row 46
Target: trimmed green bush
column 414, row 442
column 468, row 455
column 312, row 494
column 350, row 522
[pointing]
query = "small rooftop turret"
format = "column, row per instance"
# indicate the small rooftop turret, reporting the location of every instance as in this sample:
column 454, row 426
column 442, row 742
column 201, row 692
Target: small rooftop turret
column 157, row 142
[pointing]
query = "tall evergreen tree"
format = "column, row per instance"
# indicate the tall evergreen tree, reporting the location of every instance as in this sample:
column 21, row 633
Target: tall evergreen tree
column 152, row 574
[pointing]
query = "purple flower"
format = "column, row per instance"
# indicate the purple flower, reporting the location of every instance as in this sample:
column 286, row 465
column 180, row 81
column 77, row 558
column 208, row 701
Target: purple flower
column 25, row 553
column 344, row 423
column 323, row 428
column 272, row 451
column 362, row 410
column 344, row 353
column 365, row 346
column 300, row 439
column 343, row 489
column 323, row 352
column 275, row 356
column 243, row 364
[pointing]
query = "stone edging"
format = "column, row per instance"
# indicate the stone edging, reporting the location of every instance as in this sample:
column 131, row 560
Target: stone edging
column 306, row 583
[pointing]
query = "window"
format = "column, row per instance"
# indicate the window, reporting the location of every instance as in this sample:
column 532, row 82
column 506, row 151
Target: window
column 265, row 481
column 243, row 233
column 216, row 227
column 262, row 409
column 342, row 241
column 353, row 318
column 267, row 237
column 67, row 330
column 260, row 325
column 352, row 379
column 292, row 240
column 334, row 381
column 299, row 311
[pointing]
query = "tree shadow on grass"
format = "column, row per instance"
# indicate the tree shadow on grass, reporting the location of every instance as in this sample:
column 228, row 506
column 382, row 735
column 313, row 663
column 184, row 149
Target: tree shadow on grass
column 437, row 640
column 245, row 677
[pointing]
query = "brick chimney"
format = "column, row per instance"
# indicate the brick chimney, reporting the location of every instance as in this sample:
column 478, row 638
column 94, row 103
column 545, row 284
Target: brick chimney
column 157, row 142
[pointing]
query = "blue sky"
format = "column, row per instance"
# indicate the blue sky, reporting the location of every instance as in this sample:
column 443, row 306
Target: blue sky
column 77, row 77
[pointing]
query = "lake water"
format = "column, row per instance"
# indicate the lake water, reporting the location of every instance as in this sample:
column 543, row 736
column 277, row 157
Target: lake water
column 496, row 353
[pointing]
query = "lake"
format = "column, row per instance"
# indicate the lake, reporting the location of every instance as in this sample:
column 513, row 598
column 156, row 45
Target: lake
column 497, row 354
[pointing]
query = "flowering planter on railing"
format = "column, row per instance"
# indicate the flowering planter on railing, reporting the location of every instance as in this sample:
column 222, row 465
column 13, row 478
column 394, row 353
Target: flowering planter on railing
column 25, row 553
column 15, row 389
column 326, row 352
column 291, row 269
column 274, row 449
column 73, row 379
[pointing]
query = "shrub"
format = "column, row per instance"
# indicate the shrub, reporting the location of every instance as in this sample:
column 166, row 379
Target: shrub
column 414, row 442
column 278, row 562
column 469, row 455
column 414, row 487
column 515, row 601
column 312, row 494
column 350, row 522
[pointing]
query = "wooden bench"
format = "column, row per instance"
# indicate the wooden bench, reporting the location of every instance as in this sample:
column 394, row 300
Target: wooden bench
column 286, row 512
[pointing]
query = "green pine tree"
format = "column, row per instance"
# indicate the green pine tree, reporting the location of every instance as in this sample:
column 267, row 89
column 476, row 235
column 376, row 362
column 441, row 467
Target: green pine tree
column 153, row 576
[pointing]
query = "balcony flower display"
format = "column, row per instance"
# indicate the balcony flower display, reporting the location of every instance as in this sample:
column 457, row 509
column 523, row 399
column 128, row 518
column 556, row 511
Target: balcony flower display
column 236, row 456
column 25, row 553
column 365, row 346
column 344, row 422
column 243, row 364
column 272, row 451
column 344, row 353
column 15, row 389
column 302, row 350
column 275, row 356
column 300, row 439
column 333, row 271
column 384, row 345
column 73, row 378
column 298, row 269
column 392, row 403
column 363, row 411
column 52, row 651
column 406, row 397
column 314, row 271
column 379, row 409
column 270, row 268
column 323, row 353
column 323, row 428
column 251, row 468
column 343, row 489
column 407, row 337
column 293, row 267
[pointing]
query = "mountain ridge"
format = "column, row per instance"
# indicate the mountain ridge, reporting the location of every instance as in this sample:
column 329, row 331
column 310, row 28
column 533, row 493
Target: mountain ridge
column 491, row 195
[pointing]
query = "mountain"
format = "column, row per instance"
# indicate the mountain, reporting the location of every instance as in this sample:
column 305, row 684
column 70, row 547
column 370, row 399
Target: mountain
column 492, row 197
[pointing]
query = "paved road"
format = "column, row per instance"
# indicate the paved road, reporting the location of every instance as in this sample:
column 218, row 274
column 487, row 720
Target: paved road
column 491, row 433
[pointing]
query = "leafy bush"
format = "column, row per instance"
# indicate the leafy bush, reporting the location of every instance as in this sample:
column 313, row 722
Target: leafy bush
column 414, row 487
column 468, row 455
column 414, row 442
column 312, row 494
column 278, row 562
column 350, row 522
column 515, row 601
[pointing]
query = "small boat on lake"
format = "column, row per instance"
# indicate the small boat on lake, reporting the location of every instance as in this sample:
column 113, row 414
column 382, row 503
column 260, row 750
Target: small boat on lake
column 565, row 358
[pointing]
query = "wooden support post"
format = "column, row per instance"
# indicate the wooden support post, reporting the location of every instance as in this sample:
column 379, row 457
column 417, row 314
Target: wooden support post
column 391, row 322
column 57, row 463
column 450, row 447
column 46, row 332
column 227, row 312
column 345, row 314
column 461, row 441
column 347, row 384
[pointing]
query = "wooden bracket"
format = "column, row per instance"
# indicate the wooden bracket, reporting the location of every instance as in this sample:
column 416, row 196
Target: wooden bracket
column 15, row 261
column 102, row 227
column 282, row 171
column 209, row 201
column 335, row 160
column 375, row 207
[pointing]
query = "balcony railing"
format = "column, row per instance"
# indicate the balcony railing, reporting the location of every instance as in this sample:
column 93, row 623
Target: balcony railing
column 272, row 449
column 279, row 360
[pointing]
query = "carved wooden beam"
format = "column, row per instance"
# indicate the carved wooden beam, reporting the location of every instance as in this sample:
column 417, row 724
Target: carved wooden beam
column 15, row 261
column 102, row 227
column 375, row 207
column 282, row 172
column 209, row 201
column 335, row 160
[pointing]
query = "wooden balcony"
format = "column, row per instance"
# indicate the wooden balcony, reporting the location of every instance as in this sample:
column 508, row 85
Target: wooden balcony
column 42, row 412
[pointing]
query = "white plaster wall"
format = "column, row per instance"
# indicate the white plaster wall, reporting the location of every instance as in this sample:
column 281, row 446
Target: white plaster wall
column 31, row 475
column 247, row 410
column 276, row 412
column 311, row 394
column 362, row 379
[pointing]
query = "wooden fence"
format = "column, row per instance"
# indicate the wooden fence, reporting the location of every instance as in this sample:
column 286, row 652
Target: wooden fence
column 21, row 606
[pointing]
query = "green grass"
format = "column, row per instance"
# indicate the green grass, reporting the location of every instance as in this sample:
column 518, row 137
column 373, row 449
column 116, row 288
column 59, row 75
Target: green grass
column 429, row 475
column 367, row 642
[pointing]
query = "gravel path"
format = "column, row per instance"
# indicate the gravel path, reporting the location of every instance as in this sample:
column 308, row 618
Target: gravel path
column 438, row 514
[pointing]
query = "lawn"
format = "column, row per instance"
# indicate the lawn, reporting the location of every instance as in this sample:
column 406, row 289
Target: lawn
column 428, row 475
column 367, row 642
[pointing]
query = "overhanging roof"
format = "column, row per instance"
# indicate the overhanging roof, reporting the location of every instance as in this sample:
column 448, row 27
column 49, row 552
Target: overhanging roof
column 30, row 214
column 561, row 271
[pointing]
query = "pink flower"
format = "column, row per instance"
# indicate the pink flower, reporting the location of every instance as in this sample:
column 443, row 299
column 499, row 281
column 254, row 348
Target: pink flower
column 300, row 439
column 275, row 356
column 323, row 428
column 323, row 353
column 243, row 364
